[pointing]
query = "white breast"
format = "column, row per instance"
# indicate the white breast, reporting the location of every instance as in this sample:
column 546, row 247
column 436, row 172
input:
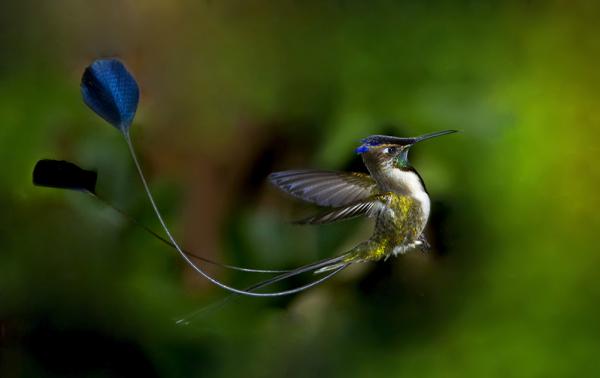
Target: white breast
column 408, row 183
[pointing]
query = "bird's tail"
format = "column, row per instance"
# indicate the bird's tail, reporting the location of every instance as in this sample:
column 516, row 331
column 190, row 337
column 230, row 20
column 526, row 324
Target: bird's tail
column 365, row 251
column 370, row 250
column 333, row 265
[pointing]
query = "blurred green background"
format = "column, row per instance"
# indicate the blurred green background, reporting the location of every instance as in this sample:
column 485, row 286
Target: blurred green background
column 232, row 90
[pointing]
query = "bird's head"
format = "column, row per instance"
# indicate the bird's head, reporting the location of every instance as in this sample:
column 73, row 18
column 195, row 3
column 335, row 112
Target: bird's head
column 392, row 151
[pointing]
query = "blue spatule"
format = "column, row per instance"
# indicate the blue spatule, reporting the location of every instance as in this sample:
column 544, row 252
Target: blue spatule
column 63, row 174
column 112, row 93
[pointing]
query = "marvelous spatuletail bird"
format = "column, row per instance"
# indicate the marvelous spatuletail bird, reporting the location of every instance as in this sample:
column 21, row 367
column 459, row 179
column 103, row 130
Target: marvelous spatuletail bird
column 394, row 194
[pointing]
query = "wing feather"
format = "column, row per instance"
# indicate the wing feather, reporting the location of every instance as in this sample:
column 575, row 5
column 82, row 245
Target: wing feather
column 368, row 207
column 325, row 188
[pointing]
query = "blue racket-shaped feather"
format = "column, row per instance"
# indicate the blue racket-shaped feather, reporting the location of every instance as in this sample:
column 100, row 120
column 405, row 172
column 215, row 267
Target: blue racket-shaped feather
column 111, row 91
column 63, row 174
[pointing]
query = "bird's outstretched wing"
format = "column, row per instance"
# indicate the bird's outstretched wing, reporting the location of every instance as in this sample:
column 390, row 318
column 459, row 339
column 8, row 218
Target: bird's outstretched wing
column 325, row 188
column 369, row 207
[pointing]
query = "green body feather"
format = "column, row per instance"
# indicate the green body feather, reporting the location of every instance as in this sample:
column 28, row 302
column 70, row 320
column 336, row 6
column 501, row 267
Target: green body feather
column 399, row 223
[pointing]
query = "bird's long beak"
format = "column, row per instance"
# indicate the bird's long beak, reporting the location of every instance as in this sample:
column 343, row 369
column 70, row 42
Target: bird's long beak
column 431, row 135
column 375, row 140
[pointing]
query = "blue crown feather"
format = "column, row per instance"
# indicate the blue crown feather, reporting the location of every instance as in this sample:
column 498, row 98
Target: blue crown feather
column 111, row 92
column 366, row 143
column 361, row 149
column 376, row 140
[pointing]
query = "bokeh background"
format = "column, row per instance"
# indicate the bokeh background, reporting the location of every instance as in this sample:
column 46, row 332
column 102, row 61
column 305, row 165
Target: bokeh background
column 232, row 90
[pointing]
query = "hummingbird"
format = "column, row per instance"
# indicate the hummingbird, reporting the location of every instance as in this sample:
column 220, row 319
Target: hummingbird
column 393, row 194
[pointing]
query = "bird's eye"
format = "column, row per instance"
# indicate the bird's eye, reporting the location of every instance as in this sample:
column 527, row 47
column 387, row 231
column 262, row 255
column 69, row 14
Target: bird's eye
column 390, row 150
